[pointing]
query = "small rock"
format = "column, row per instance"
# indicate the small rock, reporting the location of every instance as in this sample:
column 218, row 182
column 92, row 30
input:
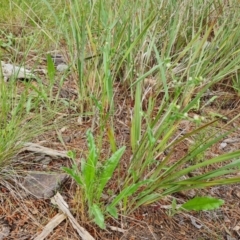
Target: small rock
column 195, row 224
column 9, row 70
column 58, row 59
column 222, row 145
column 62, row 67
column 43, row 184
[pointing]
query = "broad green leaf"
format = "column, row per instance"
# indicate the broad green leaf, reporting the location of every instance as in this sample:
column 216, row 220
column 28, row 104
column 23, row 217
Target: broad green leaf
column 113, row 211
column 203, row 203
column 98, row 216
column 89, row 169
column 74, row 174
column 108, row 169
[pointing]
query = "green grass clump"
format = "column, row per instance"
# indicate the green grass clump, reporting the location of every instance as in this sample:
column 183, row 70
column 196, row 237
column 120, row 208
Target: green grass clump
column 186, row 47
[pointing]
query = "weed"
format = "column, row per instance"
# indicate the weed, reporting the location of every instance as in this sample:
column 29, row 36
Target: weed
column 93, row 178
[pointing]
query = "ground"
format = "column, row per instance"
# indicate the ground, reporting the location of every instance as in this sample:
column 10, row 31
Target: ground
column 24, row 216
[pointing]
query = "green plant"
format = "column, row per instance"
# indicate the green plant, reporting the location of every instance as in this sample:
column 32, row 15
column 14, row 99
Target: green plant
column 197, row 140
column 187, row 47
column 153, row 150
column 202, row 203
column 8, row 42
column 93, row 177
column 183, row 62
column 236, row 82
column 20, row 120
column 196, row 204
column 166, row 177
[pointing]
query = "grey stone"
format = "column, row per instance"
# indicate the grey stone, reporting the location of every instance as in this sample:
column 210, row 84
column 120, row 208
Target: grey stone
column 10, row 70
column 62, row 67
column 43, row 184
column 58, row 59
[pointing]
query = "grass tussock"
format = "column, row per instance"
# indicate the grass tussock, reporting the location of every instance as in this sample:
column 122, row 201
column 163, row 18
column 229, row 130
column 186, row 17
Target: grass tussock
column 165, row 55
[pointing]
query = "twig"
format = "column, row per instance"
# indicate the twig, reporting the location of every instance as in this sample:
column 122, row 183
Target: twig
column 50, row 226
column 83, row 233
column 117, row 229
column 33, row 147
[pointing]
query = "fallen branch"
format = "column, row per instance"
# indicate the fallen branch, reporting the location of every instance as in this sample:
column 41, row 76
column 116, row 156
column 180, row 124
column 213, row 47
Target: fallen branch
column 83, row 233
column 33, row 147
